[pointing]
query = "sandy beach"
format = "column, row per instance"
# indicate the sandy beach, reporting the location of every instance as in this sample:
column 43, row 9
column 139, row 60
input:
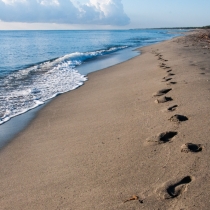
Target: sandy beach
column 134, row 136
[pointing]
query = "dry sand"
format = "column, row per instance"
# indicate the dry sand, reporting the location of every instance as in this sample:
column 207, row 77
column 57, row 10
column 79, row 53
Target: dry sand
column 120, row 137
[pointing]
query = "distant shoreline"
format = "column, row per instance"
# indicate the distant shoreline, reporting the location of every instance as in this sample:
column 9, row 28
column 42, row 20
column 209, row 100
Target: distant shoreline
column 182, row 28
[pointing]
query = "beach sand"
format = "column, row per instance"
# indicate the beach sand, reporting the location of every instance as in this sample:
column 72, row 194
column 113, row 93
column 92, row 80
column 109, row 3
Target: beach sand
column 134, row 136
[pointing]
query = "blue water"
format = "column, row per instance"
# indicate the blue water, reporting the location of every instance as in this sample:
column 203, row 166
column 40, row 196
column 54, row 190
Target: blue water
column 36, row 66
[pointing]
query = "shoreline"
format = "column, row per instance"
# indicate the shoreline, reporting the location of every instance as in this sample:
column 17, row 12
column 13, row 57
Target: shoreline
column 97, row 64
column 99, row 145
column 7, row 136
column 85, row 69
column 100, row 63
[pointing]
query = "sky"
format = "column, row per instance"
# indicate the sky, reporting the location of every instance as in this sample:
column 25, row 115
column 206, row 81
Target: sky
column 102, row 14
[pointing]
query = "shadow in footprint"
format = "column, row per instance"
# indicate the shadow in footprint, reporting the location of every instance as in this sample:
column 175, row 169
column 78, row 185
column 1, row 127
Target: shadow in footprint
column 167, row 136
column 193, row 64
column 162, row 65
column 167, row 67
column 160, row 58
column 172, row 108
column 166, row 79
column 162, row 92
column 178, row 118
column 171, row 83
column 170, row 74
column 177, row 188
column 163, row 99
column 162, row 138
column 190, row 147
column 158, row 54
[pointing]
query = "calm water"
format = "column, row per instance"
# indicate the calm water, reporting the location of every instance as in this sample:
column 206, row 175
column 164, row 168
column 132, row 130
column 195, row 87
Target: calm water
column 38, row 65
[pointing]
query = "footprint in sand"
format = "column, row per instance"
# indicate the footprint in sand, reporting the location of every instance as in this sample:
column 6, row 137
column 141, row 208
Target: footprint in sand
column 162, row 138
column 162, row 92
column 170, row 108
column 163, row 99
column 160, row 58
column 170, row 74
column 171, row 83
column 162, row 65
column 190, row 147
column 178, row 118
column 166, row 67
column 159, row 55
column 193, row 64
column 175, row 188
column 166, row 79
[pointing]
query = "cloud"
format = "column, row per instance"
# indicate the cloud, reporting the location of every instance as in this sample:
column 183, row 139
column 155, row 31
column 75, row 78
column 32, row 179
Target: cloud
column 101, row 12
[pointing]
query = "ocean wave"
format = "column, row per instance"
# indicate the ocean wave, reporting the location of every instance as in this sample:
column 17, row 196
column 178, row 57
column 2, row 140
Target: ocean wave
column 30, row 87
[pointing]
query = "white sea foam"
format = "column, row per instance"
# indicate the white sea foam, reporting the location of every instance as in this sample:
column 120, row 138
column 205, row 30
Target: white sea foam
column 20, row 93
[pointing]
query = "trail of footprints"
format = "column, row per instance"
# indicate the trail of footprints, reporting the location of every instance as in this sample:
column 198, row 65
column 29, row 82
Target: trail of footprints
column 173, row 188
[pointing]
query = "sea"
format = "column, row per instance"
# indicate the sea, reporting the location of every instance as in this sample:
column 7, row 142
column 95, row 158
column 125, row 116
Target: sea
column 36, row 66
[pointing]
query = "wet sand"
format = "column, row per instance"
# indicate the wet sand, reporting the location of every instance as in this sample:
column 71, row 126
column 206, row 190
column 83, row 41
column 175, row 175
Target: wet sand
column 135, row 136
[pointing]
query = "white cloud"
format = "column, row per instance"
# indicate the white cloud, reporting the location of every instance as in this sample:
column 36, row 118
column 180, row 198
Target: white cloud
column 11, row 2
column 49, row 3
column 102, row 12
